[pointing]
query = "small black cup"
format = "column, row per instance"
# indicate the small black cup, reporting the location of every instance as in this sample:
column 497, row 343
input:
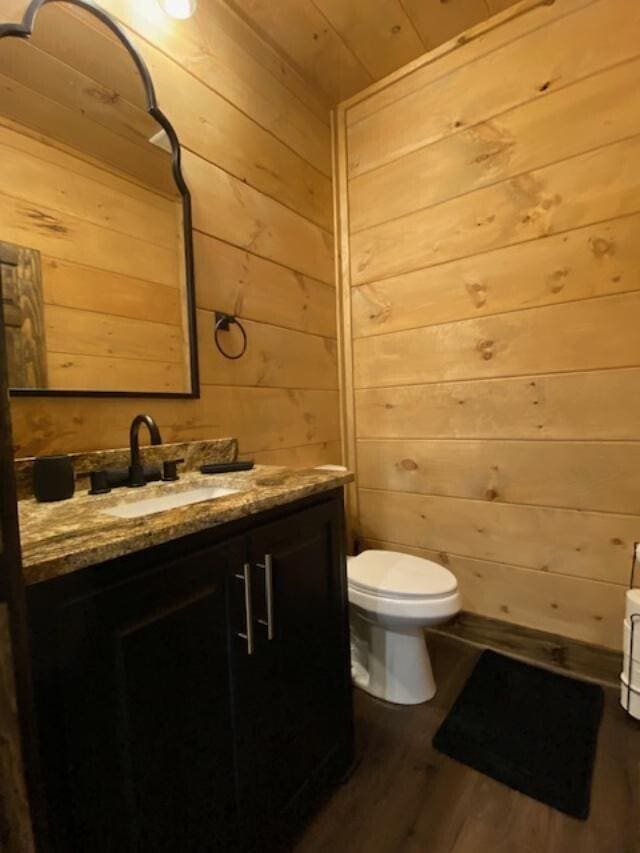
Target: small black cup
column 53, row 478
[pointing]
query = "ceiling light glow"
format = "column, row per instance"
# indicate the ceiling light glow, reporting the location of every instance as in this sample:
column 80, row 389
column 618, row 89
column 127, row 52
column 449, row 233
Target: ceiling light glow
column 181, row 9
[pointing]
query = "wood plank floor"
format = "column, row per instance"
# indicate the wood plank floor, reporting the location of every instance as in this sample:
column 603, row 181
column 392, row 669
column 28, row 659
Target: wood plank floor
column 405, row 796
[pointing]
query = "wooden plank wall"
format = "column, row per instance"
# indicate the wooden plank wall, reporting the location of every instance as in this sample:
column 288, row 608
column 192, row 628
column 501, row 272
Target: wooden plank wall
column 257, row 157
column 490, row 224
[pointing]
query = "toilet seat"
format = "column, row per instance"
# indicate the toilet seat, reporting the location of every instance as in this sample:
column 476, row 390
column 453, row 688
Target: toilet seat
column 401, row 587
column 409, row 610
column 399, row 577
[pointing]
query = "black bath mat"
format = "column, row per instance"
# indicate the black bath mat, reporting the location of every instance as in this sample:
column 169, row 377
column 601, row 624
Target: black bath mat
column 528, row 728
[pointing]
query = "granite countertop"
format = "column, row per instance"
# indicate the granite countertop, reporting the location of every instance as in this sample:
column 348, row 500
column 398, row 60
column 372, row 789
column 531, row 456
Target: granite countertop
column 59, row 538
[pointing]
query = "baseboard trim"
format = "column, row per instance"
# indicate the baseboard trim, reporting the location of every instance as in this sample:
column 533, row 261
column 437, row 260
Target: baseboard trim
column 563, row 654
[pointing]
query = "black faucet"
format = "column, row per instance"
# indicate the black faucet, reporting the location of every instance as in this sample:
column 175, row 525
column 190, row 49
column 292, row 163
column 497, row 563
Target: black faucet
column 136, row 469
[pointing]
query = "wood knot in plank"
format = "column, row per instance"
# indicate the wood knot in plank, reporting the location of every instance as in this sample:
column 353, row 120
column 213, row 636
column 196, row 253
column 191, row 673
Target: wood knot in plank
column 478, row 293
column 485, row 348
column 105, row 96
column 601, row 247
column 558, row 280
column 45, row 221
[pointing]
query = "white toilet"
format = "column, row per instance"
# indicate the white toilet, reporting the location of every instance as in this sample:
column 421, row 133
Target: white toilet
column 392, row 598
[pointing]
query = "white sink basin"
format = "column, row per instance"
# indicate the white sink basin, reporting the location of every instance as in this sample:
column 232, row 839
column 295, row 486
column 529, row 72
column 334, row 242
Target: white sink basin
column 136, row 509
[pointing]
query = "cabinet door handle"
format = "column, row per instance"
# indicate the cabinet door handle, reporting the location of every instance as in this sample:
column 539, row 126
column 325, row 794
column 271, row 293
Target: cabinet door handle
column 268, row 585
column 245, row 577
column 268, row 581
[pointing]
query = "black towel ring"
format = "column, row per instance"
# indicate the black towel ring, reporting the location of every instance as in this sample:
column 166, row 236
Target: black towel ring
column 222, row 323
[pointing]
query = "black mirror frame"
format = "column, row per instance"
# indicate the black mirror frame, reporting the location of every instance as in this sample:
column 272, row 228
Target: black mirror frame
column 24, row 30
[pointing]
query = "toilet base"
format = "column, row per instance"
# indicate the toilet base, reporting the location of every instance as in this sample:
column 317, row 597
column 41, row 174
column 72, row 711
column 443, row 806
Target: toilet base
column 391, row 665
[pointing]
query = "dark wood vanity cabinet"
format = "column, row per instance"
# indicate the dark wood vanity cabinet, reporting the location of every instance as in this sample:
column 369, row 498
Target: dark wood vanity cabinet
column 292, row 694
column 170, row 723
column 133, row 695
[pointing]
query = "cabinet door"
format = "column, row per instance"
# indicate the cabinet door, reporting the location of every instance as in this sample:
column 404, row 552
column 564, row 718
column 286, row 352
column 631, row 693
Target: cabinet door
column 293, row 696
column 134, row 704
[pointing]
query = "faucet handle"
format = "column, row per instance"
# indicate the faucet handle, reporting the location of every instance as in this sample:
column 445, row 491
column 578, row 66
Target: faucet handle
column 170, row 470
column 99, row 483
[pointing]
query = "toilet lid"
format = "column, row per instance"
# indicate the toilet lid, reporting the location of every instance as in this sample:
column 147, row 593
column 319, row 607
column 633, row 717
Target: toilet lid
column 394, row 575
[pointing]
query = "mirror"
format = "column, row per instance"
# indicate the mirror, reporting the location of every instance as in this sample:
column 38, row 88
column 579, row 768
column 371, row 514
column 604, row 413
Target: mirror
column 95, row 219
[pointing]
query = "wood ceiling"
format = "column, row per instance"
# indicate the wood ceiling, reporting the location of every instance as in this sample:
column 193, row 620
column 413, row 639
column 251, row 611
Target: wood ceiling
column 341, row 46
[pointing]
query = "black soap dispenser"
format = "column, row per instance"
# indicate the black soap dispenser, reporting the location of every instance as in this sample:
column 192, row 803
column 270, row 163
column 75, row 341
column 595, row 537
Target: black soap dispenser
column 53, row 478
